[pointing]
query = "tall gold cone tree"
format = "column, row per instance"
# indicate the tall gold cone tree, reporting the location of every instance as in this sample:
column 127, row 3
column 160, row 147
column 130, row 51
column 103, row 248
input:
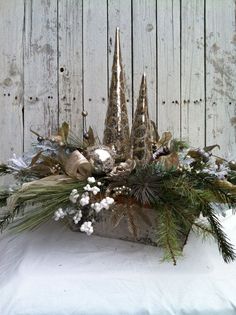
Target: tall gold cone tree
column 141, row 142
column 116, row 133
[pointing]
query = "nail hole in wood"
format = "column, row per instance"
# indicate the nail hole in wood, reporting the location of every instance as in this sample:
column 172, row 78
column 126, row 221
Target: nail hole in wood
column 4, row 94
column 15, row 97
column 8, row 94
column 127, row 101
column 90, row 99
column 163, row 102
column 61, row 69
column 30, row 97
column 103, row 99
column 74, row 98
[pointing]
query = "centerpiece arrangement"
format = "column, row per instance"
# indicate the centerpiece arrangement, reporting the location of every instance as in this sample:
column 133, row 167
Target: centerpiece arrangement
column 155, row 188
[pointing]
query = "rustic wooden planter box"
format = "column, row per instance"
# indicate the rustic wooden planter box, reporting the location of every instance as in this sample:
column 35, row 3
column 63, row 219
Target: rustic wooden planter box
column 146, row 234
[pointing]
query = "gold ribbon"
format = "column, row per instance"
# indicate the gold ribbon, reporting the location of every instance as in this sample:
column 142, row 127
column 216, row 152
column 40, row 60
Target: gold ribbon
column 77, row 166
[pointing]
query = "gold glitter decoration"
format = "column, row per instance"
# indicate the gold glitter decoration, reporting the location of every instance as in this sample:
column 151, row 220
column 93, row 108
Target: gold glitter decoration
column 116, row 133
column 141, row 138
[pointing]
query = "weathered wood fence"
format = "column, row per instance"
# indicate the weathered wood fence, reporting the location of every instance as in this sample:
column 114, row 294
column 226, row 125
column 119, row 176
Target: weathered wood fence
column 56, row 56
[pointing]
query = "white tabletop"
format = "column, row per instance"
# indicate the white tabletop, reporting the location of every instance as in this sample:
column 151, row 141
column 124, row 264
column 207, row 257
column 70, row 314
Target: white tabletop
column 53, row 271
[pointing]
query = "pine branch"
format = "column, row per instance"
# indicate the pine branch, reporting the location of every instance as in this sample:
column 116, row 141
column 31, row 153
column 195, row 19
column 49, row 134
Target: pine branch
column 202, row 229
column 46, row 197
column 8, row 218
column 168, row 234
column 5, row 169
column 225, row 247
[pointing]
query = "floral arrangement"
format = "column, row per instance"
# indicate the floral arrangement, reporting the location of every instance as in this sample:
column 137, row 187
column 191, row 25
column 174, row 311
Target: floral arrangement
column 140, row 178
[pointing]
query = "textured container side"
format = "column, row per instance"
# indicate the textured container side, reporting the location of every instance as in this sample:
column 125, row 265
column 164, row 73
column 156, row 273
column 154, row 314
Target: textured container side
column 146, row 234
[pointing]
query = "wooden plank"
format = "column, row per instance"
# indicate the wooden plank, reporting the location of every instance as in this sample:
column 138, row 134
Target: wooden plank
column 95, row 63
column 168, row 25
column 192, row 72
column 40, row 69
column 221, row 75
column 119, row 15
column 70, row 64
column 11, row 79
column 144, row 50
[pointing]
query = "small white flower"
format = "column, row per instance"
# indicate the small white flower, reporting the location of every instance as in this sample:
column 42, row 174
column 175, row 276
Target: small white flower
column 95, row 190
column 87, row 227
column 59, row 214
column 91, row 180
column 110, row 200
column 99, row 183
column 88, row 187
column 97, row 207
column 104, row 204
column 77, row 217
column 73, row 198
column 84, row 201
column 85, row 194
column 74, row 195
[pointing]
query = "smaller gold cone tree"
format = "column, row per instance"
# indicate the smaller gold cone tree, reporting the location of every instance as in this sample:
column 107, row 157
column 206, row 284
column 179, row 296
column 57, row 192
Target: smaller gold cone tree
column 116, row 133
column 141, row 138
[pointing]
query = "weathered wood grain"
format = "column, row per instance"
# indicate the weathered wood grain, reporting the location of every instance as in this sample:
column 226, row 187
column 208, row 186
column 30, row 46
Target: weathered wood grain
column 95, row 63
column 144, row 50
column 119, row 15
column 70, row 50
column 40, row 69
column 192, row 72
column 221, row 75
column 58, row 53
column 168, row 25
column 11, row 79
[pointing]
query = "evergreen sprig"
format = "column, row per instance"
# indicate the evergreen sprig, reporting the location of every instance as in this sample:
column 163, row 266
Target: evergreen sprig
column 5, row 169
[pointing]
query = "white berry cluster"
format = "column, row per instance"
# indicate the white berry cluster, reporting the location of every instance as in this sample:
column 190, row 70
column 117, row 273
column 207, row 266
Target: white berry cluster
column 74, row 196
column 59, row 214
column 93, row 189
column 88, row 203
column 103, row 204
column 87, row 227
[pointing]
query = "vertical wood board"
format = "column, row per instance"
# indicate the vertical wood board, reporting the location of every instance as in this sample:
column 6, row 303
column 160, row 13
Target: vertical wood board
column 70, row 49
column 40, row 69
column 11, row 78
column 192, row 72
column 168, row 32
column 95, row 63
column 221, row 75
column 144, row 51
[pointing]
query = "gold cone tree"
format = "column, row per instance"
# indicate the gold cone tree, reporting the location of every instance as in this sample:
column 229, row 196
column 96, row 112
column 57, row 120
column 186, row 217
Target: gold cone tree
column 116, row 133
column 141, row 138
